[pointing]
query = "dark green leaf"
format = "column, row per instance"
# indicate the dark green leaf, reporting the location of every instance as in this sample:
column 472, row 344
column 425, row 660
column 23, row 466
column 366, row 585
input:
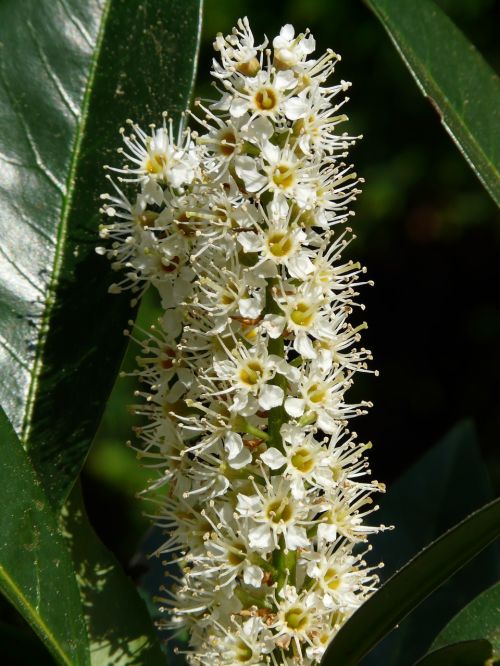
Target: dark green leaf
column 451, row 73
column 120, row 629
column 466, row 653
column 479, row 619
column 424, row 502
column 412, row 584
column 36, row 572
column 71, row 73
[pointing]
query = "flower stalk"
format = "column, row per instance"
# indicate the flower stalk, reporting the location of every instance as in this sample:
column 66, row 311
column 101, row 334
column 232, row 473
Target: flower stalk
column 239, row 226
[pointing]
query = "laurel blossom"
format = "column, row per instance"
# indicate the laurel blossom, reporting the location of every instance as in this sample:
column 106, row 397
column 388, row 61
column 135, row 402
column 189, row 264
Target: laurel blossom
column 262, row 488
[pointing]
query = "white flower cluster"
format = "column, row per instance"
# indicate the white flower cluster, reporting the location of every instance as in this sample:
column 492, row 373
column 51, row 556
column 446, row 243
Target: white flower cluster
column 262, row 488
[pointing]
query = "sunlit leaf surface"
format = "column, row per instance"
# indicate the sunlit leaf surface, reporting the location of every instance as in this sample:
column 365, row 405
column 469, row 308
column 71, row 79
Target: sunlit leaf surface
column 71, row 73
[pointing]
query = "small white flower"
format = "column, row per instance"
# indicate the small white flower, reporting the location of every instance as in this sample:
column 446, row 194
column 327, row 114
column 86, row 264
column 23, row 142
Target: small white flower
column 299, row 616
column 266, row 94
column 280, row 171
column 246, row 644
column 238, row 52
column 275, row 512
column 290, row 50
column 249, row 374
column 305, row 461
column 320, row 395
column 157, row 158
column 278, row 241
column 302, row 315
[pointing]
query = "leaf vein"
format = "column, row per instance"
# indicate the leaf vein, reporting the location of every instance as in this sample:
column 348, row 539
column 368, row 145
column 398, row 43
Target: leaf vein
column 70, row 105
column 31, row 142
column 20, row 271
column 8, row 347
column 77, row 23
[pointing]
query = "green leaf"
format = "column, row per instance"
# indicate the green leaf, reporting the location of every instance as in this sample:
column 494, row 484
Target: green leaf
column 479, row 619
column 120, row 629
column 36, row 572
column 412, row 584
column 465, row 653
column 71, row 73
column 451, row 73
column 424, row 502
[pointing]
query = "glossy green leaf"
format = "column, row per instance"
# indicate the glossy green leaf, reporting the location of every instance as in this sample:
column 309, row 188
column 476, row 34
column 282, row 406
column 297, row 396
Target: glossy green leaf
column 71, row 73
column 120, row 629
column 425, row 501
column 465, row 653
column 412, row 584
column 479, row 619
column 36, row 572
column 451, row 73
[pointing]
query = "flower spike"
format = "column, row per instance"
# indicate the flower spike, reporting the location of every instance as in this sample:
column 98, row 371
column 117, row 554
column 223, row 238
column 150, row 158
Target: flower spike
column 263, row 492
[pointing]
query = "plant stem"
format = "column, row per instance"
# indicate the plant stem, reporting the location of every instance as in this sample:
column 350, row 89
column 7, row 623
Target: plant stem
column 284, row 560
column 277, row 415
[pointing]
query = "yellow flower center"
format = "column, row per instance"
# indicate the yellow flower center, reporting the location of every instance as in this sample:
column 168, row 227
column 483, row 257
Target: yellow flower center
column 283, row 176
column 316, row 393
column 303, row 460
column 251, row 372
column 155, row 163
column 279, row 244
column 266, row 99
column 229, row 294
column 302, row 315
column 296, row 618
column 227, row 143
column 249, row 68
column 147, row 219
column 279, row 510
column 332, row 579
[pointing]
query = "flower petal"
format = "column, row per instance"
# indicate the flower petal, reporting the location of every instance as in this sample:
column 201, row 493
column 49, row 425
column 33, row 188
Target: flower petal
column 260, row 538
column 248, row 505
column 294, row 407
column 273, row 458
column 253, row 575
column 271, row 396
column 296, row 537
column 239, row 106
column 295, row 108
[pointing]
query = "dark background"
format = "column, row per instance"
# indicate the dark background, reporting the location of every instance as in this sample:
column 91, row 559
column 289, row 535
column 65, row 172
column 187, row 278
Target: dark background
column 428, row 233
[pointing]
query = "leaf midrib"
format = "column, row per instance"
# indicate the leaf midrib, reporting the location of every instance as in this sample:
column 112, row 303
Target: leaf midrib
column 35, row 617
column 50, row 302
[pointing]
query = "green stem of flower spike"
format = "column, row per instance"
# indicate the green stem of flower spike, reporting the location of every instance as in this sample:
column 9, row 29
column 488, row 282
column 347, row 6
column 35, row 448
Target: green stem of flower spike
column 277, row 415
column 284, row 561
